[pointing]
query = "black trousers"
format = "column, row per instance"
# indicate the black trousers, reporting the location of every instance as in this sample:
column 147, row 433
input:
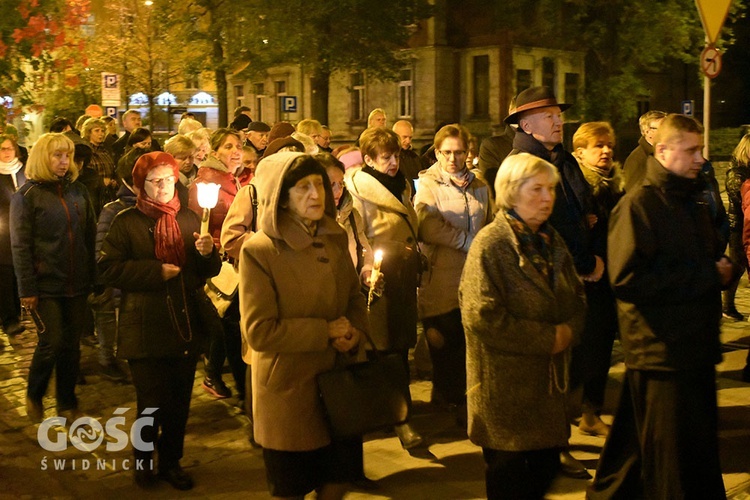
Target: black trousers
column 165, row 384
column 226, row 343
column 58, row 349
column 449, row 360
column 592, row 356
column 10, row 305
column 520, row 474
column 664, row 440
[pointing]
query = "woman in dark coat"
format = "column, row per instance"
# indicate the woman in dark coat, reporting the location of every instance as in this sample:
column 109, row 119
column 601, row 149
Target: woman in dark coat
column 594, row 144
column 522, row 304
column 11, row 178
column 155, row 256
column 738, row 173
column 52, row 231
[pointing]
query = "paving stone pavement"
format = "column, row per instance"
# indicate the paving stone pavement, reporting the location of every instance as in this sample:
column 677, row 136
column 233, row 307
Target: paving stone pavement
column 224, row 465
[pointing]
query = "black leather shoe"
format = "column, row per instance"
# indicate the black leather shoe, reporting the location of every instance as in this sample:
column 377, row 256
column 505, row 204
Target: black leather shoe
column 178, row 478
column 14, row 328
column 408, row 436
column 35, row 410
column 733, row 314
column 571, row 467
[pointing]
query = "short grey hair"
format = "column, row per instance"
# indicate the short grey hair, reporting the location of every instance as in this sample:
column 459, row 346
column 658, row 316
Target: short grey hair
column 513, row 174
column 646, row 118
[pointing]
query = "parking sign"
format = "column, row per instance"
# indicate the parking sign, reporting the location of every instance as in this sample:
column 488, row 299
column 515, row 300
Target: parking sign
column 289, row 103
column 688, row 107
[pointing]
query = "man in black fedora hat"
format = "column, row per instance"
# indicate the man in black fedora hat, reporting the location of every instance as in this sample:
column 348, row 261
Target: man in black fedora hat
column 540, row 127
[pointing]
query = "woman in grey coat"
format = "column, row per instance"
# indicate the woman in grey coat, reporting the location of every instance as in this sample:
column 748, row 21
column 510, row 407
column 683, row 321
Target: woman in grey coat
column 522, row 305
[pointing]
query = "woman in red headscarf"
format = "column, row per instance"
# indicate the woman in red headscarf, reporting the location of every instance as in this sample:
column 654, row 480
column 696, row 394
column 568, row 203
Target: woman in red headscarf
column 156, row 256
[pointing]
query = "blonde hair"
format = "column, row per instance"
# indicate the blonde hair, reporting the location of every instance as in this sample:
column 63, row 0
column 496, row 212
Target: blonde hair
column 39, row 164
column 741, row 153
column 591, row 131
column 513, row 174
column 373, row 113
column 188, row 125
column 179, row 145
column 310, row 147
column 309, row 127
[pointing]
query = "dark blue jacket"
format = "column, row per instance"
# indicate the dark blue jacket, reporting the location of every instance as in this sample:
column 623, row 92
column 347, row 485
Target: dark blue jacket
column 7, row 188
column 52, row 226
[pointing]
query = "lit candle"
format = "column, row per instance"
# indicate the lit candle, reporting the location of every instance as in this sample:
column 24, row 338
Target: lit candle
column 376, row 267
column 374, row 275
column 208, row 197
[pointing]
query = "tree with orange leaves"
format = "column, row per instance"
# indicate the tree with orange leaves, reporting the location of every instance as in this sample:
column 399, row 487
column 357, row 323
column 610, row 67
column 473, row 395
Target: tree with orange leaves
column 34, row 34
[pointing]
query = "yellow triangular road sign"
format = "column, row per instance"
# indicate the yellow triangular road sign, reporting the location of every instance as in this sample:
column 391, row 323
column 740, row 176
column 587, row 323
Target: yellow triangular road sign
column 713, row 13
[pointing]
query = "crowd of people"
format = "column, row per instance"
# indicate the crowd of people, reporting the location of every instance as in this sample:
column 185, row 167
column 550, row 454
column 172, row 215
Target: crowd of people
column 522, row 263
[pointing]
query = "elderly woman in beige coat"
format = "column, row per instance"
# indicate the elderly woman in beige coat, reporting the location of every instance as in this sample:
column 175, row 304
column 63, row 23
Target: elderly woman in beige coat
column 301, row 309
column 452, row 206
column 522, row 304
column 381, row 195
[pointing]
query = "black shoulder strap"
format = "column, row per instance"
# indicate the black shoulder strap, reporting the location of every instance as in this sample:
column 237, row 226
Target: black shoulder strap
column 254, row 203
column 360, row 248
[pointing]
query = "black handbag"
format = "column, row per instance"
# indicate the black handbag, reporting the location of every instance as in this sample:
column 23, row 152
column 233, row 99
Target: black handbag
column 365, row 397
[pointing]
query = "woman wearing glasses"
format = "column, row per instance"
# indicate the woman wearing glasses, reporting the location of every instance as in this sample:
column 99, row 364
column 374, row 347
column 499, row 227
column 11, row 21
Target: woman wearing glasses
column 154, row 254
column 452, row 206
column 52, row 230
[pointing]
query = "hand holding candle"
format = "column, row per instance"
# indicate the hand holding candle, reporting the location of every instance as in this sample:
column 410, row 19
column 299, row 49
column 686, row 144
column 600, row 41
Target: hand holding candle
column 208, row 197
column 374, row 275
column 376, row 267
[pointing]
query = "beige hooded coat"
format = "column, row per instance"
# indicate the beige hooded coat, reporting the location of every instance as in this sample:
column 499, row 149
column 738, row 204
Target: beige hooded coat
column 291, row 285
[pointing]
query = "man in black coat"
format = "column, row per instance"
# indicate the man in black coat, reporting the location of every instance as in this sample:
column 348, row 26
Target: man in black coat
column 634, row 169
column 409, row 162
column 667, row 269
column 539, row 119
column 131, row 120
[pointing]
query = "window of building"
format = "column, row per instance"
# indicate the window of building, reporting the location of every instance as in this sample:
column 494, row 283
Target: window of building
column 571, row 92
column 260, row 94
column 239, row 95
column 192, row 81
column 523, row 80
column 406, row 94
column 357, row 90
column 548, row 72
column 481, row 85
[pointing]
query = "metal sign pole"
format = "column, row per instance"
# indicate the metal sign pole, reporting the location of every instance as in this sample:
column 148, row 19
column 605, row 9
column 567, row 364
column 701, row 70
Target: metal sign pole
column 706, row 114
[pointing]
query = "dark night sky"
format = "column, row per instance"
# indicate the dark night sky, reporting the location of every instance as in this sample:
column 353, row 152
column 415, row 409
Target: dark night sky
column 732, row 86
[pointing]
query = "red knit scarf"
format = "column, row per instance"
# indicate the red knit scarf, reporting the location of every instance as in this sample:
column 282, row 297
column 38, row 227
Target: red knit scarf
column 168, row 244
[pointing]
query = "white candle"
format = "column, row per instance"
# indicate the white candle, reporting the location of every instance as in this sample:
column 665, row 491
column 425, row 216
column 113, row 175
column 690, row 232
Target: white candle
column 208, row 197
column 376, row 267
